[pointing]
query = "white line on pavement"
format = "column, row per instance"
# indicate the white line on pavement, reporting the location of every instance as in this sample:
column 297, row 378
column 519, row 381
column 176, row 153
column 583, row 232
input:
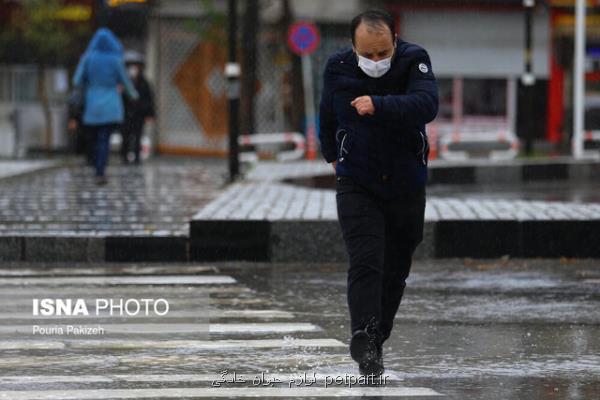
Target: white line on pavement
column 121, row 290
column 110, row 378
column 135, row 270
column 218, row 392
column 248, row 328
column 173, row 344
column 31, row 345
column 210, row 314
column 120, row 280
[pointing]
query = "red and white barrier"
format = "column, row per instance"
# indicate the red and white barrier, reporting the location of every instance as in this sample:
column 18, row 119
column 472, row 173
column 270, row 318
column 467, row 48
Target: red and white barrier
column 268, row 143
column 482, row 137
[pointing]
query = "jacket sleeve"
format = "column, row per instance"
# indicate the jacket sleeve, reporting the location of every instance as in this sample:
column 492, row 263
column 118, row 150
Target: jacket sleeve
column 420, row 103
column 327, row 118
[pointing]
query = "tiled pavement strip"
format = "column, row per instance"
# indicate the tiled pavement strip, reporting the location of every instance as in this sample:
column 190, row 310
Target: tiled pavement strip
column 286, row 221
column 180, row 356
column 264, row 197
column 157, row 199
column 9, row 168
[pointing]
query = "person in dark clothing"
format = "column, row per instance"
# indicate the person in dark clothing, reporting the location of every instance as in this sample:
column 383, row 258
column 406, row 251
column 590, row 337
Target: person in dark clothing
column 377, row 98
column 137, row 112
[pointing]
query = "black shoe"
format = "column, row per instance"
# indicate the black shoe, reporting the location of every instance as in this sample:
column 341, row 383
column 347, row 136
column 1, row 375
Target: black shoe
column 373, row 368
column 101, row 180
column 362, row 347
column 365, row 349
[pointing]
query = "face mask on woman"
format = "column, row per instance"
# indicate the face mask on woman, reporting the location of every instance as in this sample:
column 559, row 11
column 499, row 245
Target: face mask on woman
column 134, row 71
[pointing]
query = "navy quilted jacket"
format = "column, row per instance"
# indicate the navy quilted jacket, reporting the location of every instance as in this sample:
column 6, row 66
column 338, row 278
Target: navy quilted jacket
column 386, row 152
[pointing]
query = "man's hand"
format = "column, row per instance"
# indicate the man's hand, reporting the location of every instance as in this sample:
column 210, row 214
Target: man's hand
column 364, row 105
column 333, row 164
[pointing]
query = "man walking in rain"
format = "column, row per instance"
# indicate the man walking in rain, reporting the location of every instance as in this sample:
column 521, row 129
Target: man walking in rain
column 377, row 98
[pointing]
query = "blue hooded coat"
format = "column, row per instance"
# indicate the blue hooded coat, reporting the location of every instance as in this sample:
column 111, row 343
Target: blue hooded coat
column 100, row 70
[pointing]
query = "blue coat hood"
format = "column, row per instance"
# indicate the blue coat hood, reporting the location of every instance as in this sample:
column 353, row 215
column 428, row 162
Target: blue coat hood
column 104, row 41
column 100, row 71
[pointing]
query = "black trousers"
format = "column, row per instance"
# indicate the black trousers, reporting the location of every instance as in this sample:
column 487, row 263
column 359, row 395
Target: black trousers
column 131, row 132
column 381, row 236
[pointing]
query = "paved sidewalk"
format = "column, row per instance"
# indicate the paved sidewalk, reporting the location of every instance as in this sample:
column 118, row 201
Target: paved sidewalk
column 181, row 210
column 271, row 217
column 279, row 201
column 58, row 213
column 12, row 168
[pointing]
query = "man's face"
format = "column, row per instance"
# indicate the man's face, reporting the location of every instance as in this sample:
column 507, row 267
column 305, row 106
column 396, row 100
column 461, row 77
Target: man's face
column 373, row 42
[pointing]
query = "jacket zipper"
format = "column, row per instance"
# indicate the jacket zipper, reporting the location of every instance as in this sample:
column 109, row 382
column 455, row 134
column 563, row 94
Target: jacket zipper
column 423, row 148
column 342, row 147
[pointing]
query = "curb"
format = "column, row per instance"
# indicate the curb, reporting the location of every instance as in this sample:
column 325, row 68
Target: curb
column 94, row 249
column 310, row 241
column 517, row 172
column 321, row 241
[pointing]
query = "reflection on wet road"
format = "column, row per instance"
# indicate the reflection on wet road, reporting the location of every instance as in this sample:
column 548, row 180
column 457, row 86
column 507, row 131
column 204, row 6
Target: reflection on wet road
column 517, row 329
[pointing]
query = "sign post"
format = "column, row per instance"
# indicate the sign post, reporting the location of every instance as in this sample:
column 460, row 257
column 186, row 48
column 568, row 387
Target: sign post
column 579, row 80
column 303, row 39
column 528, row 78
column 232, row 72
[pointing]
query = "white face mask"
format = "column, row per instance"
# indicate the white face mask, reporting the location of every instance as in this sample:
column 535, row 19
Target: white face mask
column 374, row 69
column 134, row 71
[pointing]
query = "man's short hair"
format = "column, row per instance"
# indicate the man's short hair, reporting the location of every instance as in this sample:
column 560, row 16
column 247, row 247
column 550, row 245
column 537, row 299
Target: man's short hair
column 373, row 18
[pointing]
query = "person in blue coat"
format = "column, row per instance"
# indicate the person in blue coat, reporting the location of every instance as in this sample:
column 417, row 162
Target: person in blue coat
column 101, row 72
column 377, row 98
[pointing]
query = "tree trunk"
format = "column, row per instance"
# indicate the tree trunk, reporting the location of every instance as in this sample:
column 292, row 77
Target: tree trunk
column 45, row 103
column 249, row 63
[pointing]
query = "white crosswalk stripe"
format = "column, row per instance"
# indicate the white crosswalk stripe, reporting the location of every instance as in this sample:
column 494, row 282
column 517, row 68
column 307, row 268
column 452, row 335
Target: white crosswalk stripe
column 119, row 280
column 221, row 392
column 140, row 329
column 129, row 290
column 211, row 314
column 224, row 344
column 297, row 378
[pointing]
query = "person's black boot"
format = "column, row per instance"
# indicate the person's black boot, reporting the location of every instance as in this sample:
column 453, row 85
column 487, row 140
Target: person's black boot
column 365, row 349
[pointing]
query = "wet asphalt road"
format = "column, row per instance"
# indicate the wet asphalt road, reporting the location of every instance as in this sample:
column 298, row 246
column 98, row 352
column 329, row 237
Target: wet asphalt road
column 492, row 329
column 476, row 329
